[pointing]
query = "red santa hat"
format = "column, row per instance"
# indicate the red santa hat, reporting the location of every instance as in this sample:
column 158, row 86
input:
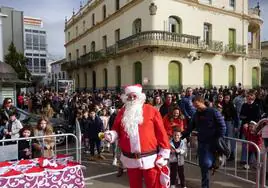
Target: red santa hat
column 165, row 176
column 133, row 89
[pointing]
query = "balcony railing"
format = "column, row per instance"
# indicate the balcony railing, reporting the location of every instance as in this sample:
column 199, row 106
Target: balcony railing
column 235, row 49
column 159, row 38
column 254, row 11
column 254, row 53
column 92, row 57
column 213, row 46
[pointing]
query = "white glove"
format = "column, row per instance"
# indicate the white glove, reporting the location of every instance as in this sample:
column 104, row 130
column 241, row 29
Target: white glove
column 160, row 161
column 108, row 136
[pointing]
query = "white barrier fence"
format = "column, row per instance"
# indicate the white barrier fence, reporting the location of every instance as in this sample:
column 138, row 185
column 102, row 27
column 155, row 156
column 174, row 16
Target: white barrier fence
column 255, row 174
column 9, row 147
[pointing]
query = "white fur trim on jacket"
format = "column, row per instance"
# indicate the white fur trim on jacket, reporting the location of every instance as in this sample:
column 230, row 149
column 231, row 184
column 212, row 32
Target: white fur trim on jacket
column 143, row 163
column 114, row 136
column 164, row 153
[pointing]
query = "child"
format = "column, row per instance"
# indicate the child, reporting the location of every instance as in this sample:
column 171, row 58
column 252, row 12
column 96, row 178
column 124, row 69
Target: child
column 249, row 131
column 104, row 116
column 25, row 146
column 12, row 127
column 178, row 152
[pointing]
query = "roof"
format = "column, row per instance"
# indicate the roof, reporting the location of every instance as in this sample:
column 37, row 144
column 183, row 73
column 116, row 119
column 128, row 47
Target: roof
column 8, row 75
column 7, row 72
column 58, row 62
column 264, row 44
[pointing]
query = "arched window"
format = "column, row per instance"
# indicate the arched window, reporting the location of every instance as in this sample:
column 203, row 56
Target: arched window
column 255, row 77
column 63, row 75
column 105, row 78
column 93, row 46
column 118, row 78
column 174, row 75
column 175, row 24
column 136, row 26
column 94, row 80
column 85, row 77
column 104, row 11
column 59, row 75
column 207, row 75
column 138, row 73
column 232, row 75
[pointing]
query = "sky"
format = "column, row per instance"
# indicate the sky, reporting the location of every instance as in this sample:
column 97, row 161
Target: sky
column 53, row 13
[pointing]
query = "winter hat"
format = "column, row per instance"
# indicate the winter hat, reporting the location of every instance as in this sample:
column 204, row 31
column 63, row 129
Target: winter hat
column 252, row 123
column 165, row 176
column 133, row 89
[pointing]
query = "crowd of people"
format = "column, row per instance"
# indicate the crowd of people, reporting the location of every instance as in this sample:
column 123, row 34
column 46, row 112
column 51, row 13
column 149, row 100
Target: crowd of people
column 12, row 128
column 235, row 110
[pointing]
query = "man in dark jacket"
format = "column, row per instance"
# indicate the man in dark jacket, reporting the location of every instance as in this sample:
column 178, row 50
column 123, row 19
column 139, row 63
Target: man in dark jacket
column 210, row 125
column 186, row 105
column 231, row 120
column 166, row 107
column 95, row 127
column 250, row 111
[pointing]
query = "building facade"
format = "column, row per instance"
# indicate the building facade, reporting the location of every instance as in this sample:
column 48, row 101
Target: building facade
column 12, row 29
column 112, row 43
column 57, row 73
column 35, row 47
column 264, row 63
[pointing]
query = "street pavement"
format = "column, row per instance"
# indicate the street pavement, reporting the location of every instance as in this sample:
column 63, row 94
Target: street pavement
column 101, row 174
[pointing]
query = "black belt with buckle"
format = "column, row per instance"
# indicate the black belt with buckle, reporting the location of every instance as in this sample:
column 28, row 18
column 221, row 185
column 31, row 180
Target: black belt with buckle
column 138, row 155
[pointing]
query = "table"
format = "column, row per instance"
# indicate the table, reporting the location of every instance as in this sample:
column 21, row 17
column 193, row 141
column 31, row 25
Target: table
column 31, row 174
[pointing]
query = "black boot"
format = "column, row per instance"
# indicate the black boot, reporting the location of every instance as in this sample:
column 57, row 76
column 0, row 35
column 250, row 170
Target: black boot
column 231, row 158
column 120, row 172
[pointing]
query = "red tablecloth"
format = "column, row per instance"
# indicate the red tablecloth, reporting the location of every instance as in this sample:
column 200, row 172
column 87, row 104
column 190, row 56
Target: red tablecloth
column 32, row 174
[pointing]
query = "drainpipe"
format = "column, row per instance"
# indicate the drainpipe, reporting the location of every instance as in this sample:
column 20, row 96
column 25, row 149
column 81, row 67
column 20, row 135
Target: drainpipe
column 243, row 37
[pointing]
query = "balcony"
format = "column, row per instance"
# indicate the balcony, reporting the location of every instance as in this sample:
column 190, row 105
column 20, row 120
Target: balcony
column 159, row 38
column 69, row 65
column 213, row 47
column 235, row 49
column 254, row 53
column 254, row 12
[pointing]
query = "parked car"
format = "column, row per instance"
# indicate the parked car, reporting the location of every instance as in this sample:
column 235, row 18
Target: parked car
column 60, row 126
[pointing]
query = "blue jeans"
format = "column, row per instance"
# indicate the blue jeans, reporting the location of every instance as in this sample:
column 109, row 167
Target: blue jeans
column 206, row 160
column 230, row 133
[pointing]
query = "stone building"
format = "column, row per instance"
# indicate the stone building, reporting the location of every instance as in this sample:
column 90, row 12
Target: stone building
column 164, row 44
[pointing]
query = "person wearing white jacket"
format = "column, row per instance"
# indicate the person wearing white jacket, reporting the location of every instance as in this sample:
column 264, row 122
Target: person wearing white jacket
column 13, row 127
column 177, row 155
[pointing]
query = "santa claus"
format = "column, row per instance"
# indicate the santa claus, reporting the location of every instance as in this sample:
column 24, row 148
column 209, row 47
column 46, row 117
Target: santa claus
column 142, row 139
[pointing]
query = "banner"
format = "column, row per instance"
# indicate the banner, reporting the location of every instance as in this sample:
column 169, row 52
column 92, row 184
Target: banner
column 65, row 86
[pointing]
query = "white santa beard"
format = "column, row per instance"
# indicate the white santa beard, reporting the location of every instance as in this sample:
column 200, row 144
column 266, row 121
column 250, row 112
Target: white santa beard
column 133, row 116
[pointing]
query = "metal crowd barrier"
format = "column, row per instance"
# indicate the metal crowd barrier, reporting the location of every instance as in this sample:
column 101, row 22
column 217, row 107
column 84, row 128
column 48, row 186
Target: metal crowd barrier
column 9, row 151
column 255, row 175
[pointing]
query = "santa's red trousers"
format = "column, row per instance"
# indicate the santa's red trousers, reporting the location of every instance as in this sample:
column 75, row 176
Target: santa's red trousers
column 151, row 178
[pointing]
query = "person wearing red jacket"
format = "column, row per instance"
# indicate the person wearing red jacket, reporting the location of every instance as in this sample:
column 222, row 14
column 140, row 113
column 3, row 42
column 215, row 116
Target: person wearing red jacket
column 249, row 131
column 143, row 140
column 174, row 120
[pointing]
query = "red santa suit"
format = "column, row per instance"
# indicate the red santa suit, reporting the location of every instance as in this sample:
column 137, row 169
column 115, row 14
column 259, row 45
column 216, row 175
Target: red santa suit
column 140, row 153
